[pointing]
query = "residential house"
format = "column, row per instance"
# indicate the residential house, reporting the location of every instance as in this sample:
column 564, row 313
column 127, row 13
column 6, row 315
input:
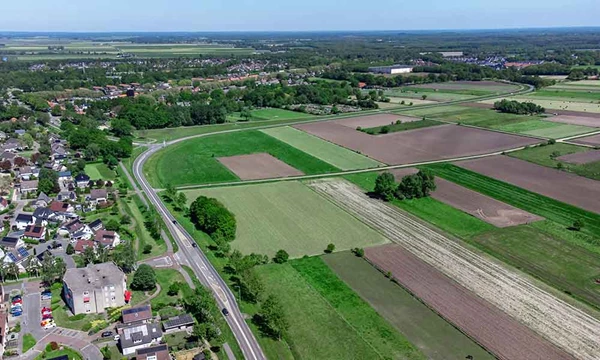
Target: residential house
column 42, row 200
column 81, row 245
column 20, row 132
column 107, row 238
column 3, row 203
column 96, row 225
column 8, row 156
column 178, row 323
column 66, row 196
column 11, row 242
column 82, row 180
column 97, row 196
column 25, row 173
column 141, row 336
column 76, row 230
column 12, row 145
column 2, row 136
column 158, row 352
column 29, row 186
column 22, row 220
column 137, row 315
column 17, row 256
column 94, row 288
column 61, row 207
column 36, row 232
column 44, row 215
column 64, row 176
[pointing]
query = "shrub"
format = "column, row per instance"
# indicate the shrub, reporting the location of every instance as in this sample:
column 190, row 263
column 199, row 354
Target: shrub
column 174, row 288
column 147, row 249
column 281, row 257
column 359, row 252
column 330, row 248
column 53, row 345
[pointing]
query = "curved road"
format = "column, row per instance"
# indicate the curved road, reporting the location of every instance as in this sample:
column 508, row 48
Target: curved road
column 200, row 264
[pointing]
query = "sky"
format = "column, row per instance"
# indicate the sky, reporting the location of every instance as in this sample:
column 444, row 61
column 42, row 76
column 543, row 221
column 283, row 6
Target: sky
column 282, row 15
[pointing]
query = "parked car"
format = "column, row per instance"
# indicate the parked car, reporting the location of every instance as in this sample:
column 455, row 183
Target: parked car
column 47, row 317
column 17, row 313
column 107, row 334
column 49, row 326
column 117, row 337
column 17, row 301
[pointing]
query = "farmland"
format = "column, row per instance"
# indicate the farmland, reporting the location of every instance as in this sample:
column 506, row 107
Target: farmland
column 272, row 114
column 258, row 166
column 330, row 323
column 436, row 338
column 581, row 105
column 512, row 293
column 553, row 155
column 288, row 216
column 402, row 126
column 330, row 153
column 589, row 140
column 195, row 161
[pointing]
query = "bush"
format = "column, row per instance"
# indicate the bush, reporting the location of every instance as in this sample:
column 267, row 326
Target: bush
column 330, row 248
column 53, row 345
column 77, row 317
column 384, row 130
column 174, row 288
column 281, row 257
column 359, row 252
column 147, row 249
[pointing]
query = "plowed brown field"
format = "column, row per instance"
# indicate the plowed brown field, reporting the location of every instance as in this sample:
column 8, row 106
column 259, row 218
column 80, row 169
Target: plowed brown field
column 258, row 166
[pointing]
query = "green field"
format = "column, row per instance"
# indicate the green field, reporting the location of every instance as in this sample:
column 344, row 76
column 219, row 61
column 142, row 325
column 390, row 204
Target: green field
column 542, row 155
column 195, row 161
column 335, row 155
column 165, row 277
column 547, row 129
column 432, row 96
column 275, row 114
column 328, row 320
column 410, row 125
column 551, row 209
column 437, row 339
column 445, row 217
column 567, row 95
column 566, row 266
column 289, row 216
column 99, row 171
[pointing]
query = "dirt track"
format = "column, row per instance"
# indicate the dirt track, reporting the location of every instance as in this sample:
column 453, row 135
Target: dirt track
column 562, row 324
column 258, row 166
column 560, row 185
column 494, row 330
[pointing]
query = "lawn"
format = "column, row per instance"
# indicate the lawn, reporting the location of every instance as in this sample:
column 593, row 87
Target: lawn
column 551, row 209
column 445, row 217
column 289, row 216
column 562, row 264
column 97, row 171
column 437, row 339
column 411, row 125
column 70, row 353
column 327, row 320
column 166, row 277
column 194, row 161
column 547, row 129
column 434, row 96
column 541, row 155
column 335, row 155
column 60, row 313
column 28, row 342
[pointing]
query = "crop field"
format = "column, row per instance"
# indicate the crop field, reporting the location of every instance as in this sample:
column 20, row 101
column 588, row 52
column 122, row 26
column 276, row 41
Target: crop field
column 409, row 93
column 325, row 327
column 97, row 171
column 411, row 125
column 587, row 157
column 547, row 129
column 335, row 155
column 483, row 86
column 560, row 153
column 395, row 101
column 578, row 106
column 576, row 120
column 562, row 186
column 497, row 306
column 271, row 114
column 521, row 198
column 195, row 161
column 436, row 338
column 593, row 140
column 289, row 216
column 426, row 144
column 567, row 94
column 258, row 166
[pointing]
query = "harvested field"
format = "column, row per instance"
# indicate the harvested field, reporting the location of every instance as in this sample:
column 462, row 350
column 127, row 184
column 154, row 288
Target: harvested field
column 483, row 207
column 513, row 294
column 562, row 186
column 593, row 140
column 258, row 166
column 496, row 331
column 581, row 158
column 373, row 120
column 426, row 144
column 576, row 120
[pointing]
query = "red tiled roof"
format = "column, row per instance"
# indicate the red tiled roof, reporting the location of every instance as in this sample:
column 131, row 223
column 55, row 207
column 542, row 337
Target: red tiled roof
column 81, row 245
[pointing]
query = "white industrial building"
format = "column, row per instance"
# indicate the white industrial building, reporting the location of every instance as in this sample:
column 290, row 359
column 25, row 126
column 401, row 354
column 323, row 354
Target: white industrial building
column 393, row 69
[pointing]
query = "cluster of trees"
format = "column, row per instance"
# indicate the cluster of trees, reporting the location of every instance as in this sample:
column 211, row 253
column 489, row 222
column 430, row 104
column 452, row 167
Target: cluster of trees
column 178, row 199
column 94, row 143
column 144, row 278
column 202, row 305
column 516, row 107
column 580, row 74
column 413, row 186
column 212, row 217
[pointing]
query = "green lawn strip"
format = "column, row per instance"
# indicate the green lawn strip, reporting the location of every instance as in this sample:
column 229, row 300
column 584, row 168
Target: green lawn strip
column 335, row 155
column 97, row 171
column 371, row 327
column 541, row 155
column 70, row 353
column 317, row 330
column 290, row 216
column 28, row 342
column 411, row 125
column 445, row 217
column 166, row 277
column 551, row 209
column 195, row 161
column 135, row 209
column 563, row 264
column 436, row 338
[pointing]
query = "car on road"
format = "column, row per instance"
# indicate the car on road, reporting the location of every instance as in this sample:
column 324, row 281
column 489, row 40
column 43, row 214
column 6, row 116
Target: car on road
column 194, row 245
column 174, row 221
column 225, row 312
column 107, row 334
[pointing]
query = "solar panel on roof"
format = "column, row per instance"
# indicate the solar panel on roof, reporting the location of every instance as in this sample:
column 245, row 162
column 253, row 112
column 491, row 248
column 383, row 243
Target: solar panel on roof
column 179, row 321
column 12, row 257
column 152, row 349
column 23, row 252
column 135, row 310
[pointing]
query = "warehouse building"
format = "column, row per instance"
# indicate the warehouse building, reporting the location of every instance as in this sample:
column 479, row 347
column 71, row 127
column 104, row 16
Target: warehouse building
column 394, row 69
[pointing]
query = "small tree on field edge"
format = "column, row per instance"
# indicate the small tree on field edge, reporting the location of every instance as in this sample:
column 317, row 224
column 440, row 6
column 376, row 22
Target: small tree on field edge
column 577, row 225
column 330, row 248
column 281, row 257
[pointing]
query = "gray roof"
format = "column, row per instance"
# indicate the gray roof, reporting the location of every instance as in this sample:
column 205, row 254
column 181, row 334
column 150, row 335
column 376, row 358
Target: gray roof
column 43, row 213
column 33, row 184
column 136, row 335
column 44, row 197
column 92, row 277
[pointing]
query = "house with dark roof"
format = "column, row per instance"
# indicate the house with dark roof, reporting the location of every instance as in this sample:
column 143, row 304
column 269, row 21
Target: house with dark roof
column 11, row 242
column 96, row 225
column 140, row 314
column 22, row 220
column 97, row 196
column 65, row 176
column 158, row 352
column 3, row 203
column 140, row 336
column 178, row 323
column 61, row 207
column 35, row 232
column 42, row 200
column 82, row 180
column 107, row 238
column 66, row 196
column 25, row 173
column 76, row 230
column 11, row 144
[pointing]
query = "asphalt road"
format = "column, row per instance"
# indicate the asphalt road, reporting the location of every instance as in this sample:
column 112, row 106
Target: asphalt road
column 203, row 269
